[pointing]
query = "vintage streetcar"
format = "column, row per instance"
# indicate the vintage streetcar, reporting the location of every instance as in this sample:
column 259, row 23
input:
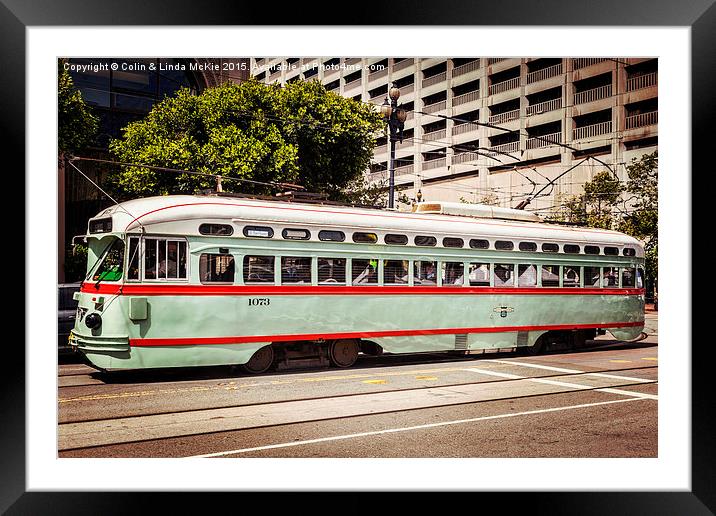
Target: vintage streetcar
column 178, row 281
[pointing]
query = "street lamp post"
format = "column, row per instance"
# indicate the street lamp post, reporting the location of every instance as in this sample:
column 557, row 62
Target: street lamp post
column 395, row 117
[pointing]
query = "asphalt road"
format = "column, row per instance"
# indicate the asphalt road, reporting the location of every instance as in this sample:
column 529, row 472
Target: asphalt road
column 600, row 401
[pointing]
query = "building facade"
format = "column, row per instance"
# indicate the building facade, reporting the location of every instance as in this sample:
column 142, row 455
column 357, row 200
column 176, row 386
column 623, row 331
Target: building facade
column 497, row 130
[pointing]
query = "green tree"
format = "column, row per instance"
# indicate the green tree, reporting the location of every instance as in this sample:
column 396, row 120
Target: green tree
column 76, row 125
column 300, row 133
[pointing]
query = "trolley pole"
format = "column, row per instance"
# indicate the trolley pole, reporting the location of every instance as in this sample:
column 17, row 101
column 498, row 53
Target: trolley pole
column 394, row 116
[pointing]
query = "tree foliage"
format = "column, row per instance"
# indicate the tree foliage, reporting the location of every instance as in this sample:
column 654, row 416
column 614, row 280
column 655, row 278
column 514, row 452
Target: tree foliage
column 631, row 208
column 76, row 125
column 299, row 133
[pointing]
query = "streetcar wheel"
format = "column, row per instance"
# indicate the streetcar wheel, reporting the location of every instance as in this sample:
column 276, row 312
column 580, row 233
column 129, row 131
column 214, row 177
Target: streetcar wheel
column 259, row 361
column 343, row 353
column 536, row 348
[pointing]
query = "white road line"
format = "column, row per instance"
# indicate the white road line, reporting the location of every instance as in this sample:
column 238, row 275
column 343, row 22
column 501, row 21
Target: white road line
column 564, row 384
column 572, row 371
column 407, row 429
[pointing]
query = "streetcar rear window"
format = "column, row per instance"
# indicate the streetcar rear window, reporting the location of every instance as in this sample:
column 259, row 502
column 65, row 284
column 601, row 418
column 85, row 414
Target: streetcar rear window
column 426, row 241
column 216, row 268
column 453, row 242
column 504, row 274
column 425, row 273
column 628, row 277
column 216, row 229
column 628, row 251
column 331, row 236
column 258, row 269
column 395, row 272
column 570, row 276
column 571, row 248
column 639, row 277
column 296, row 234
column 296, row 270
column 452, row 274
column 528, row 246
column 504, row 245
column 477, row 243
column 365, row 238
column 479, row 274
column 592, row 249
column 591, row 276
column 364, row 272
column 258, row 232
column 396, row 239
column 526, row 275
column 332, row 271
column 550, row 248
column 611, row 251
column 550, row 275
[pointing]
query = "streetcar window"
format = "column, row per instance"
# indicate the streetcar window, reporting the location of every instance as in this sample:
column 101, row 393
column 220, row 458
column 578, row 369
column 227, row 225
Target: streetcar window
column 628, row 277
column 100, row 225
column 528, row 246
column 477, row 243
column 332, row 271
column 639, row 277
column 426, row 241
column 258, row 269
column 504, row 245
column 216, row 229
column 164, row 259
column 526, row 275
column 296, row 234
column 610, row 277
column 593, row 249
column 570, row 276
column 365, row 272
column 425, row 273
column 111, row 264
column 133, row 264
column 479, row 274
column 628, row 251
column 591, row 276
column 453, row 242
column 216, row 268
column 365, row 238
column 452, row 274
column 504, row 274
column 332, row 236
column 396, row 239
column 550, row 248
column 611, row 251
column 258, row 232
column 395, row 272
column 550, row 275
column 571, row 248
column 296, row 269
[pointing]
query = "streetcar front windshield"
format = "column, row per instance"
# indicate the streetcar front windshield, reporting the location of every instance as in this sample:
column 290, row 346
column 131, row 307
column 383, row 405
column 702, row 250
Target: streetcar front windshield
column 110, row 264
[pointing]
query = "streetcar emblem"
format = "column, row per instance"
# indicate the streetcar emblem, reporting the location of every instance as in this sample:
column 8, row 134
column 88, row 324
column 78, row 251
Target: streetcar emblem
column 503, row 310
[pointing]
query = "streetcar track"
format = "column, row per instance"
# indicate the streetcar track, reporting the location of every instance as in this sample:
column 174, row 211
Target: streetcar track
column 317, row 398
column 344, row 417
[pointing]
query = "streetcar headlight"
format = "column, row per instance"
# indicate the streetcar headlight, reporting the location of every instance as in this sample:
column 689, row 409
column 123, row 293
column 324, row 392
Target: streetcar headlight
column 93, row 321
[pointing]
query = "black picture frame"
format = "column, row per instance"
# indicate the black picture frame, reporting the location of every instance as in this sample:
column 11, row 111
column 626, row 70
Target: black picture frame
column 17, row 15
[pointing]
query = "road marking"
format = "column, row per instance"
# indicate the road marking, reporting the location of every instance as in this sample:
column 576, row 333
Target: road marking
column 570, row 371
column 375, row 381
column 426, row 377
column 650, row 358
column 565, row 384
column 408, row 429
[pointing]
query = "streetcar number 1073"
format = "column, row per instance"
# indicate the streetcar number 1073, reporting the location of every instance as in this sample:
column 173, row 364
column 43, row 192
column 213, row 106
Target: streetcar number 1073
column 259, row 301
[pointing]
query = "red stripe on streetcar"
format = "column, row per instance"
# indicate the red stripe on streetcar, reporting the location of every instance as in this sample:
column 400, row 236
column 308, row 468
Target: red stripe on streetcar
column 283, row 290
column 361, row 334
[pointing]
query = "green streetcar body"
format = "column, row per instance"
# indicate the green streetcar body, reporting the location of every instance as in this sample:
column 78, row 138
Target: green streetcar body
column 183, row 319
